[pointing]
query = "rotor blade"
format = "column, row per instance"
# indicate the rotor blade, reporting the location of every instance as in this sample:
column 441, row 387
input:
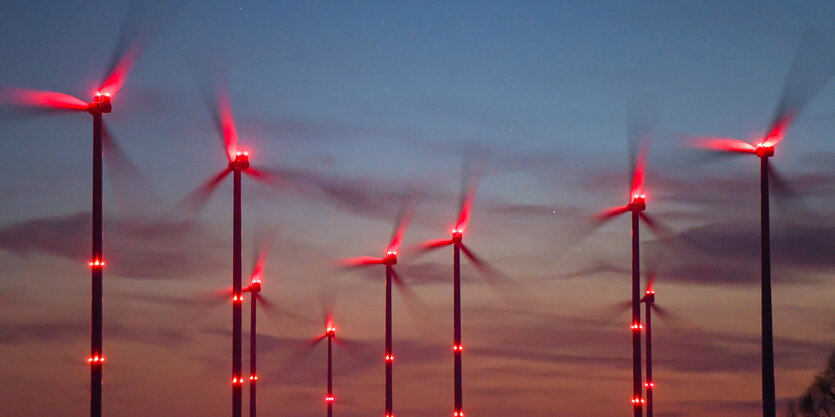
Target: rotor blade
column 36, row 98
column 609, row 313
column 782, row 187
column 199, row 197
column 417, row 308
column 788, row 199
column 639, row 136
column 656, row 226
column 469, row 184
column 275, row 313
column 652, row 274
column 140, row 26
column 129, row 183
column 812, row 67
column 490, row 274
column 610, row 213
column 262, row 245
column 327, row 302
column 404, row 215
column 360, row 261
column 271, row 177
column 722, row 144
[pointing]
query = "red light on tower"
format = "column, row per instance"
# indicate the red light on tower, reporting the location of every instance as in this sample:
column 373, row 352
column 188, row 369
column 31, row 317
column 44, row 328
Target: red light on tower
column 638, row 400
column 457, row 348
column 389, row 357
column 95, row 359
column 458, row 413
column 636, row 327
column 237, row 298
column 330, row 331
column 96, row 263
column 329, row 399
column 649, row 384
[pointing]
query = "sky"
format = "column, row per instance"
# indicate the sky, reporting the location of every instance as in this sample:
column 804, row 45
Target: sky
column 382, row 100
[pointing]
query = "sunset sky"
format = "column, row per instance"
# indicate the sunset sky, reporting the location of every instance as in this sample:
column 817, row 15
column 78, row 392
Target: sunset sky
column 388, row 99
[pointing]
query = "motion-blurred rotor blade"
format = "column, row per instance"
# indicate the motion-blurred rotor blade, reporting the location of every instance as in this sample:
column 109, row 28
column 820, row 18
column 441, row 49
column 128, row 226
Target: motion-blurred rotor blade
column 276, row 313
column 129, row 183
column 609, row 313
column 671, row 320
column 722, row 145
column 610, row 213
column 404, row 215
column 140, row 26
column 44, row 99
column 276, row 178
column 782, row 188
column 655, row 225
column 787, row 198
column 199, row 197
column 469, row 184
column 418, row 309
column 327, row 303
column 491, row 275
column 812, row 67
column 263, row 244
column 639, row 135
column 360, row 261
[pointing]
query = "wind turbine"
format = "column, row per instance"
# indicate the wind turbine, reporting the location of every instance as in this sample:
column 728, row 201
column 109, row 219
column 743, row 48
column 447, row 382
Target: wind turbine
column 637, row 207
column 456, row 240
column 128, row 49
column 238, row 163
column 813, row 66
column 388, row 260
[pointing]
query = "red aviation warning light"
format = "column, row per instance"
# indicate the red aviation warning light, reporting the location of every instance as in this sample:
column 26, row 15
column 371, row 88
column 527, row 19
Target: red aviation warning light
column 330, row 331
column 457, row 348
column 96, row 263
column 237, row 298
column 649, row 384
column 638, row 400
column 253, row 378
column 458, row 413
column 237, row 381
column 389, row 357
column 636, row 327
column 329, row 399
column 95, row 359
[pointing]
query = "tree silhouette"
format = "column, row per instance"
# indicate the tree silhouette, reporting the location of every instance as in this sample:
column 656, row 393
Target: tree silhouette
column 819, row 399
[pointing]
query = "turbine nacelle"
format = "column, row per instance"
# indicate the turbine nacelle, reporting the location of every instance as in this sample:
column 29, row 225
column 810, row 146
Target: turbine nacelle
column 255, row 286
column 457, row 235
column 638, row 203
column 390, row 258
column 100, row 104
column 764, row 150
column 241, row 161
column 649, row 297
column 330, row 331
